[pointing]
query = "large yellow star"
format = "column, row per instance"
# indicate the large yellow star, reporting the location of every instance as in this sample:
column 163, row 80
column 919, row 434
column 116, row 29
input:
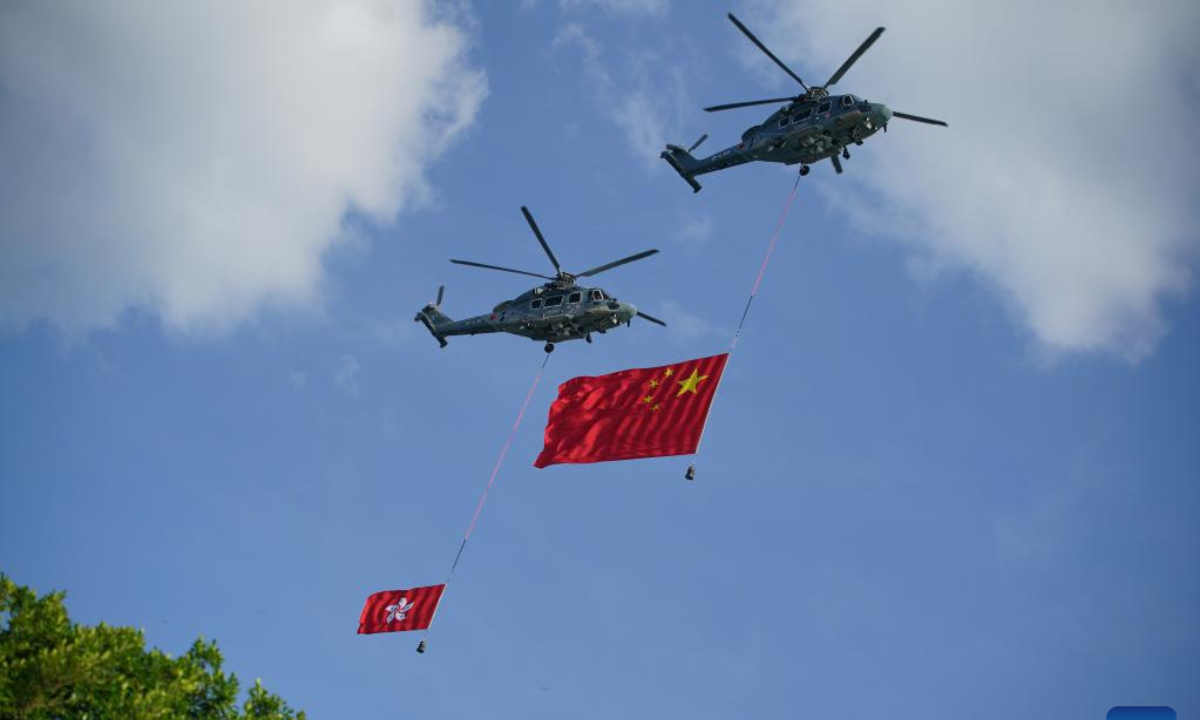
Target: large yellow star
column 689, row 384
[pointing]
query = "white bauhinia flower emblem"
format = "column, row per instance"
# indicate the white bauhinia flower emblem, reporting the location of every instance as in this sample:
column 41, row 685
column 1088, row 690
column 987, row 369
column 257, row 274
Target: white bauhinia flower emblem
column 399, row 611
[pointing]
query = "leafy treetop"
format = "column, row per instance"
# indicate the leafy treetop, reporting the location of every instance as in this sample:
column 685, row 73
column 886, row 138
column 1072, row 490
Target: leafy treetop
column 54, row 669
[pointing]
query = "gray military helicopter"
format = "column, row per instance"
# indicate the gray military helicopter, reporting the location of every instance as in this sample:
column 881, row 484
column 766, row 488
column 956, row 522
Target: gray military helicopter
column 554, row 312
column 811, row 127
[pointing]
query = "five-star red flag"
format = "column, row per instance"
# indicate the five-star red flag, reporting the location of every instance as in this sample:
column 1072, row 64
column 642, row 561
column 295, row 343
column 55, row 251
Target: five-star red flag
column 644, row 412
column 393, row 610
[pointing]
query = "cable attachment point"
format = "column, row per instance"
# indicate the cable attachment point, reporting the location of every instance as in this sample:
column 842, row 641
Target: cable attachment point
column 691, row 472
column 421, row 647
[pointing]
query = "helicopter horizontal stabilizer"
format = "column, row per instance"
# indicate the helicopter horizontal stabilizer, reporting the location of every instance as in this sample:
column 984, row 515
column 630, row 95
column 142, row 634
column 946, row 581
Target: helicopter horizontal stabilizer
column 679, row 158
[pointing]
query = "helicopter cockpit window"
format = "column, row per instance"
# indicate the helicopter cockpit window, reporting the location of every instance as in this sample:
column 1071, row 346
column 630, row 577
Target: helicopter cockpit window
column 847, row 100
column 824, row 107
column 800, row 115
column 554, row 301
column 575, row 297
column 535, row 304
column 783, row 121
column 597, row 295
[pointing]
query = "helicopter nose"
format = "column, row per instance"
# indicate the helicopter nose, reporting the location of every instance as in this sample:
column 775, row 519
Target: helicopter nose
column 882, row 113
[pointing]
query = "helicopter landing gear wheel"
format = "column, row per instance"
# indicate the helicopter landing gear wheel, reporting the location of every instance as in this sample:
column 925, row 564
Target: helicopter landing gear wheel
column 804, row 169
column 588, row 338
column 858, row 142
column 549, row 347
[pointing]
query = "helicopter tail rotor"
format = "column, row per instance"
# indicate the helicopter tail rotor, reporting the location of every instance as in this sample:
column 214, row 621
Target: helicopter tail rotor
column 433, row 318
column 683, row 162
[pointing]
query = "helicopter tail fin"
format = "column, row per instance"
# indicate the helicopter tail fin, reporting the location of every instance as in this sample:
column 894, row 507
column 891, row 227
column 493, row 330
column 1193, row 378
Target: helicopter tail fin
column 433, row 318
column 681, row 159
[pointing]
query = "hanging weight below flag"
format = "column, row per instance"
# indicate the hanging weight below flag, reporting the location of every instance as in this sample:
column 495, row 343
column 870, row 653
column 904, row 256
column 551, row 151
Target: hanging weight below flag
column 639, row 413
column 396, row 610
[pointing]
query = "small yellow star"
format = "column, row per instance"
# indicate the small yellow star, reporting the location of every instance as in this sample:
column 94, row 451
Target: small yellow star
column 655, row 408
column 669, row 372
column 648, row 399
column 689, row 385
column 654, row 383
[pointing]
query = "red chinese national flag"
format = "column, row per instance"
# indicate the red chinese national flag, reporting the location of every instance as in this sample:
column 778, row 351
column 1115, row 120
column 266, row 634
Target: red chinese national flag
column 645, row 412
column 393, row 610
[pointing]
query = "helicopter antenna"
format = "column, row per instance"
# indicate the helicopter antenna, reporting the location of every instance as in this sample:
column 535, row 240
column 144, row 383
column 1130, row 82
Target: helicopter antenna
column 542, row 240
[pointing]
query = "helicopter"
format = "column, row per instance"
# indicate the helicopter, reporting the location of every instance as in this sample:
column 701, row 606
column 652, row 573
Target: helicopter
column 811, row 127
column 557, row 311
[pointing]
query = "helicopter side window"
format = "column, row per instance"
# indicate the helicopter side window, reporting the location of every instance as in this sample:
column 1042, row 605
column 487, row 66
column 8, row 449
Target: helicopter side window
column 597, row 295
column 847, row 100
column 575, row 297
column 535, row 304
column 554, row 301
column 824, row 107
column 802, row 115
column 783, row 121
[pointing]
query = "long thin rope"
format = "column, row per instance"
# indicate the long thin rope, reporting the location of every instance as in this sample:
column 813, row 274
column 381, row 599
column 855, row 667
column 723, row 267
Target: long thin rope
column 762, row 271
column 492, row 479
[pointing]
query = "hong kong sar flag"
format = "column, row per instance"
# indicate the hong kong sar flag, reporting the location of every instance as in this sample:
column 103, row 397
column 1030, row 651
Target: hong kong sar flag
column 394, row 610
column 644, row 412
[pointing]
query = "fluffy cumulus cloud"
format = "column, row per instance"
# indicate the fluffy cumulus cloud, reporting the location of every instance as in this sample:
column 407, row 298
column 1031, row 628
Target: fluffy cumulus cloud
column 196, row 160
column 1065, row 179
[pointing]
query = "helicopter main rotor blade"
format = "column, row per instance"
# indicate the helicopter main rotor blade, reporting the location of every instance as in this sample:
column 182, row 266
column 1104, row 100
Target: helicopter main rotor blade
column 497, row 267
column 855, row 56
column 654, row 320
column 837, row 164
column 918, row 118
column 615, row 263
column 762, row 47
column 731, row 106
column 542, row 240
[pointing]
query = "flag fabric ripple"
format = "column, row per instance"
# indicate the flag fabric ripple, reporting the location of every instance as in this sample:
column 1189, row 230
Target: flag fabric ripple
column 396, row 610
column 638, row 413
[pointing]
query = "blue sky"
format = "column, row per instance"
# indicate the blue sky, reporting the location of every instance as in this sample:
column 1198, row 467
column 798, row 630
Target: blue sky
column 952, row 471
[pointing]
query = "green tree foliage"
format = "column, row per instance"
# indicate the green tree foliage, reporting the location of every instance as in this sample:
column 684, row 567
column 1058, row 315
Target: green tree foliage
column 54, row 669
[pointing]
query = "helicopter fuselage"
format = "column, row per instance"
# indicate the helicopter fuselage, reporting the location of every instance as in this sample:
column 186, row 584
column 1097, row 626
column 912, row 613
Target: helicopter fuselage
column 803, row 132
column 551, row 313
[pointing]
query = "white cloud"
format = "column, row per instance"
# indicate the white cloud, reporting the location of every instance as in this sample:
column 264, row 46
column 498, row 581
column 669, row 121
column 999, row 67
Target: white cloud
column 637, row 101
column 652, row 8
column 1065, row 178
column 694, row 230
column 684, row 325
column 345, row 376
column 195, row 161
